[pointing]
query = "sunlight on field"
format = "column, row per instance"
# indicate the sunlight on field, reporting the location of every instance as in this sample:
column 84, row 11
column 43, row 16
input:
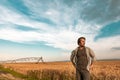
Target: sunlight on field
column 101, row 70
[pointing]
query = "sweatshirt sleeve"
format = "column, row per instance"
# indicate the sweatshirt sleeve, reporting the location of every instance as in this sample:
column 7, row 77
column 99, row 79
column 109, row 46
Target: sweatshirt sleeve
column 72, row 57
column 92, row 55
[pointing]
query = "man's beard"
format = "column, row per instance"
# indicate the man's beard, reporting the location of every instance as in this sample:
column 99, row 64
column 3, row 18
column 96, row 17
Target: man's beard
column 82, row 45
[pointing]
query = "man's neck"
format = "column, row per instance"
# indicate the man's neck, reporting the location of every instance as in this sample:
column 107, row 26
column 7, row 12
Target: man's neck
column 81, row 47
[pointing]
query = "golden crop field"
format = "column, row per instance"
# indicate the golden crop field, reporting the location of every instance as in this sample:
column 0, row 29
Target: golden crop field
column 102, row 70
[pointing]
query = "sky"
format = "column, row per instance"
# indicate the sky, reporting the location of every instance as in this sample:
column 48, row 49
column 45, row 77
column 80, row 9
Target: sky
column 50, row 28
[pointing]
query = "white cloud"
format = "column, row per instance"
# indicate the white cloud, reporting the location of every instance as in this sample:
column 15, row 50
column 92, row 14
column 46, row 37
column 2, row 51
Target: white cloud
column 103, row 46
column 9, row 17
column 64, row 39
column 57, row 11
column 63, row 36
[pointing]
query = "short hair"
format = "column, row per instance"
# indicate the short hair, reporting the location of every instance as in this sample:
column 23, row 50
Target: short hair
column 78, row 41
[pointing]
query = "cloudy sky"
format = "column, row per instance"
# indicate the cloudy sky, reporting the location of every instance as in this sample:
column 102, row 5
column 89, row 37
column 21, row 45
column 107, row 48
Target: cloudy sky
column 50, row 28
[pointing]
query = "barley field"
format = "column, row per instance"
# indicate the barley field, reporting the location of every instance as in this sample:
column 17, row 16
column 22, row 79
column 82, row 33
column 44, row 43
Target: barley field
column 101, row 70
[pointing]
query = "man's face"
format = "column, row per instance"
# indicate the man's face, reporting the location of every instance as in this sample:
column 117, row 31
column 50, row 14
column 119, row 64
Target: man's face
column 82, row 43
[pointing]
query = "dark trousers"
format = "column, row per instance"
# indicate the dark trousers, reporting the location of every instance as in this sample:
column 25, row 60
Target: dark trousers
column 82, row 75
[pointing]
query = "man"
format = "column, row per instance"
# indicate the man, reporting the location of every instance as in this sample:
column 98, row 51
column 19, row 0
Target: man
column 82, row 59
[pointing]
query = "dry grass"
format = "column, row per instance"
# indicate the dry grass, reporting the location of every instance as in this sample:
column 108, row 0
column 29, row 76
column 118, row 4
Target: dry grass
column 24, row 67
column 102, row 70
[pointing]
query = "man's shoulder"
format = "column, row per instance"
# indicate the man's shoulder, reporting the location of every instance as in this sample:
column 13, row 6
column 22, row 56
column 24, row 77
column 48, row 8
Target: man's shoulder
column 87, row 47
column 72, row 51
column 75, row 50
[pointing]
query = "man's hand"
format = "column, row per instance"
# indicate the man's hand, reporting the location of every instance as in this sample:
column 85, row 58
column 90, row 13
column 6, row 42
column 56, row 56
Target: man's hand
column 91, row 67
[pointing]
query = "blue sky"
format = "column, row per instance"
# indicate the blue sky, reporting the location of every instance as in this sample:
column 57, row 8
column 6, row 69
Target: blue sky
column 50, row 28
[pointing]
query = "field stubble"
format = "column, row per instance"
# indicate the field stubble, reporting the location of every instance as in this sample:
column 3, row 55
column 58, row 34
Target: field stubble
column 102, row 70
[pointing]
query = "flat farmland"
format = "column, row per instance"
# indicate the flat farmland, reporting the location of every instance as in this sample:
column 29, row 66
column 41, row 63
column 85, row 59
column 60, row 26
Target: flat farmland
column 101, row 70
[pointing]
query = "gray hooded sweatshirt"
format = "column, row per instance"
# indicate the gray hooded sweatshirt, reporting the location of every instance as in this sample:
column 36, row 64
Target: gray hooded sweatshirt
column 90, row 57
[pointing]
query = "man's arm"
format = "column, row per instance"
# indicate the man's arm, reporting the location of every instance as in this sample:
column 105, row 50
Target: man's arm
column 92, row 55
column 72, row 57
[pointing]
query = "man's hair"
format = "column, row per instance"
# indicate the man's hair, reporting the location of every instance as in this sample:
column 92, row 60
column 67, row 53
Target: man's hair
column 80, row 39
